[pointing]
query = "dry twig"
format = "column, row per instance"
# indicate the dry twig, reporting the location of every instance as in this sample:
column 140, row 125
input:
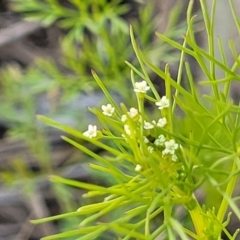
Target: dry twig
column 17, row 31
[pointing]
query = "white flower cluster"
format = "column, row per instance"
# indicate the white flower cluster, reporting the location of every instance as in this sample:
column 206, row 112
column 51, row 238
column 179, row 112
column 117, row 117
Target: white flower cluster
column 167, row 146
column 170, row 147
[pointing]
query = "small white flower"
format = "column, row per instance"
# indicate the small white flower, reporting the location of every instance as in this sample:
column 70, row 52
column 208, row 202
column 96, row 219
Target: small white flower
column 124, row 118
column 127, row 129
column 170, row 147
column 91, row 132
column 138, row 168
column 150, row 149
column 174, row 158
column 163, row 103
column 160, row 140
column 148, row 125
column 133, row 112
column 141, row 87
column 162, row 122
column 108, row 110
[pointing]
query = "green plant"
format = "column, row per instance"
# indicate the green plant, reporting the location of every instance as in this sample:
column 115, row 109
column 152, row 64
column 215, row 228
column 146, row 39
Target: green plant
column 49, row 86
column 159, row 163
column 93, row 28
column 45, row 88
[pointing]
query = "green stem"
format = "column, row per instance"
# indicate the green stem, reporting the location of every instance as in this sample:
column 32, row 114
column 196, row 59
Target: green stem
column 209, row 24
column 141, row 111
column 182, row 56
column 229, row 191
column 196, row 214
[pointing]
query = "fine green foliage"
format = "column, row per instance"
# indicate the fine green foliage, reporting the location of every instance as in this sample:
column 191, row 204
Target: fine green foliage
column 52, row 86
column 159, row 163
column 95, row 35
column 97, row 38
column 76, row 15
column 156, row 158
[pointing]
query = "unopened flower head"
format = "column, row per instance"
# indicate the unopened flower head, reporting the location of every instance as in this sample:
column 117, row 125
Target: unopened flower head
column 162, row 122
column 145, row 140
column 163, row 103
column 124, row 118
column 160, row 140
column 138, row 168
column 133, row 112
column 141, row 87
column 108, row 110
column 91, row 132
column 148, row 125
column 127, row 129
column 174, row 158
column 150, row 149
